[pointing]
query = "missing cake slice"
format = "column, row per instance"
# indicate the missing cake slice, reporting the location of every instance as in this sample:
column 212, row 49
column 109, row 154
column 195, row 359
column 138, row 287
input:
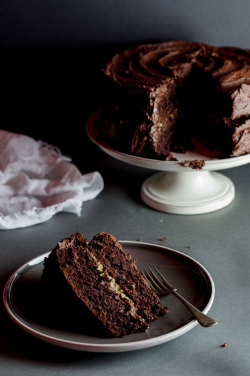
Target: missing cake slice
column 106, row 280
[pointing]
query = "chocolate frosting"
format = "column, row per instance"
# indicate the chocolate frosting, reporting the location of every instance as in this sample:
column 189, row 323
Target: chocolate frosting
column 150, row 65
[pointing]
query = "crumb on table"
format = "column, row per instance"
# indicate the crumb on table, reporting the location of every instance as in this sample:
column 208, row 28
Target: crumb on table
column 224, row 344
column 164, row 238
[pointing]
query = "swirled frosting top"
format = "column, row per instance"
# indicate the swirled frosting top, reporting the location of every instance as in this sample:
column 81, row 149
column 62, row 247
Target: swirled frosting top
column 150, row 65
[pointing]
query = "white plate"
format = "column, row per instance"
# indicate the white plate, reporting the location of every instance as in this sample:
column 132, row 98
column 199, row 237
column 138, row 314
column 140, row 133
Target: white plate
column 25, row 306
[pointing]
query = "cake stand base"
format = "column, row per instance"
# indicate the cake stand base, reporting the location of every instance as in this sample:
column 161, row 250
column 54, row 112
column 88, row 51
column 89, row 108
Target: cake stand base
column 188, row 192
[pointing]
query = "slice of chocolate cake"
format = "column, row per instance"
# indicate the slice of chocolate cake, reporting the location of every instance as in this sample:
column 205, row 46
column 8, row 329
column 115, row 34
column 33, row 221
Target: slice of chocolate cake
column 110, row 252
column 105, row 279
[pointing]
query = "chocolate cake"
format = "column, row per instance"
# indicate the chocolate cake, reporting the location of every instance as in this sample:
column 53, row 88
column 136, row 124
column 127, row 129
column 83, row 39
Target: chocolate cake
column 163, row 96
column 105, row 279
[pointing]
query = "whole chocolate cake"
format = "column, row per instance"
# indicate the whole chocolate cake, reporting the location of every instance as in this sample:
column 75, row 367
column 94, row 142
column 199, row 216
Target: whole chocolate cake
column 105, row 279
column 162, row 96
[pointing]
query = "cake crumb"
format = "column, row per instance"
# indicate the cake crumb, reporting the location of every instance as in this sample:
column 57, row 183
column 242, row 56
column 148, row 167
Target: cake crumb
column 188, row 246
column 138, row 239
column 196, row 165
column 164, row 238
column 225, row 344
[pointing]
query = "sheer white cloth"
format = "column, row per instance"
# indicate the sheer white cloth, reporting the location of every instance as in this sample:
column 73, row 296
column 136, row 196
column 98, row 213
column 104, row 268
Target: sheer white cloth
column 37, row 181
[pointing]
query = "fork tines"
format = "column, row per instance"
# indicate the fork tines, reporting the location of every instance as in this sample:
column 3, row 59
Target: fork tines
column 157, row 281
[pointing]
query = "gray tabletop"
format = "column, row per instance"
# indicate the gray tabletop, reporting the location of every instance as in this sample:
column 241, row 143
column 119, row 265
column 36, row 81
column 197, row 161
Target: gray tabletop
column 219, row 241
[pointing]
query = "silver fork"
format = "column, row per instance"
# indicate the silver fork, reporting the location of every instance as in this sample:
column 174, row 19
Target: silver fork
column 162, row 287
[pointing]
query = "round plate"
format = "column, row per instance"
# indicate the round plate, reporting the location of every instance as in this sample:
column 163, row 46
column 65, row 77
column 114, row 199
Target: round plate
column 199, row 153
column 22, row 301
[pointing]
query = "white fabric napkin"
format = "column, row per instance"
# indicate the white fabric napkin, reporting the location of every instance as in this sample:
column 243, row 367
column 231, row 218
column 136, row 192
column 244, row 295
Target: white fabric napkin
column 37, row 181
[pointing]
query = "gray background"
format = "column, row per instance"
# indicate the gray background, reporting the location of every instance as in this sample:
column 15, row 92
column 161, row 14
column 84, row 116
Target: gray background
column 81, row 23
column 52, row 53
column 220, row 241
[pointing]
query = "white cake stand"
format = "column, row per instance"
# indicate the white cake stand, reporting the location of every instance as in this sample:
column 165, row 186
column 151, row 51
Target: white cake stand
column 178, row 189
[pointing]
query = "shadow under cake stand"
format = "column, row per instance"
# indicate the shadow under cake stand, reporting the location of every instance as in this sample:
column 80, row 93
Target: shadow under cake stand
column 181, row 189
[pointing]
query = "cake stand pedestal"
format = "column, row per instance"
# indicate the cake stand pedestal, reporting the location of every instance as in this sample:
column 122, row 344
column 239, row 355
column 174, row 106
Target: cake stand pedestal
column 191, row 192
column 177, row 188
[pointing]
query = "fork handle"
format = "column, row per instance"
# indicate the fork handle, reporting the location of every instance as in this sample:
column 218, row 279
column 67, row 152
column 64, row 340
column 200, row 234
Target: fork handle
column 202, row 319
